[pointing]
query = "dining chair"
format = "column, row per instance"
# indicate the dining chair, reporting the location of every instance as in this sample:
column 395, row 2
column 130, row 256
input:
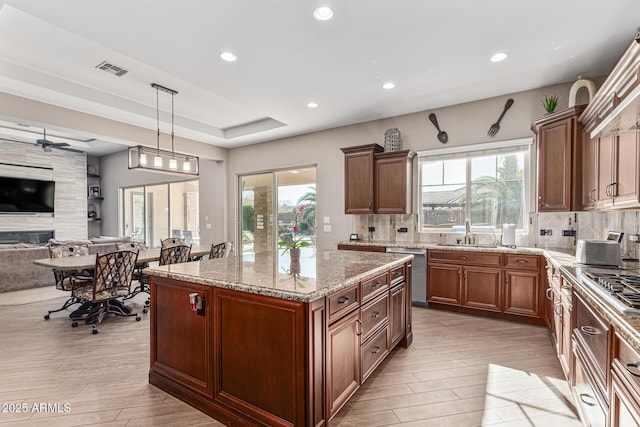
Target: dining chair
column 220, row 250
column 63, row 278
column 168, row 255
column 137, row 272
column 171, row 241
column 111, row 280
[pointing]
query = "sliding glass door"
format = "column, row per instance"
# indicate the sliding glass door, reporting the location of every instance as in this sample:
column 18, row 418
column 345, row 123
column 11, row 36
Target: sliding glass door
column 154, row 212
column 277, row 206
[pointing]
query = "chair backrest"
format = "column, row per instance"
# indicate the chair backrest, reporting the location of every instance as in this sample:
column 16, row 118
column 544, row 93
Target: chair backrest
column 113, row 274
column 67, row 250
column 174, row 254
column 131, row 246
column 171, row 241
column 220, row 250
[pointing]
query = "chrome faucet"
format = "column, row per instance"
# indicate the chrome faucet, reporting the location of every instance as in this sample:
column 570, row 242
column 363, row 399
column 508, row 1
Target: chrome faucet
column 469, row 239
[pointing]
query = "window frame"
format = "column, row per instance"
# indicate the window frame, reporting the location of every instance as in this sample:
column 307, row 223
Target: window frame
column 478, row 150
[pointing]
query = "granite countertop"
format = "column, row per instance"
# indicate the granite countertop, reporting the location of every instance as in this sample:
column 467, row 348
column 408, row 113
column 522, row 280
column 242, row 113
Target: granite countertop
column 332, row 271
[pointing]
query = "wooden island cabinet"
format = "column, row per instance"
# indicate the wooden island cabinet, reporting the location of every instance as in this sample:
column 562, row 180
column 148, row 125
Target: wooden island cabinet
column 261, row 347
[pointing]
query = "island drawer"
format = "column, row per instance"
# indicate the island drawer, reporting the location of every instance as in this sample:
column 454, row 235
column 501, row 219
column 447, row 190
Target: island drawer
column 374, row 314
column 487, row 259
column 397, row 274
column 530, row 262
column 372, row 287
column 342, row 302
column 374, row 351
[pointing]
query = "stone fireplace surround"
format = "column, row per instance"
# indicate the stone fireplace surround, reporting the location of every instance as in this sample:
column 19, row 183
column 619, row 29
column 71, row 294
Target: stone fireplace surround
column 38, row 237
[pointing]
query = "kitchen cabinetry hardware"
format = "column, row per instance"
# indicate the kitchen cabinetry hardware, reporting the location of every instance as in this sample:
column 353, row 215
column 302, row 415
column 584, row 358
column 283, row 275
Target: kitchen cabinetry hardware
column 375, row 314
column 521, row 261
column 565, row 287
column 633, row 371
column 590, row 195
column 589, row 330
column 376, row 350
column 548, row 293
column 375, row 285
column 359, row 332
column 556, row 306
column 343, row 300
column 587, row 399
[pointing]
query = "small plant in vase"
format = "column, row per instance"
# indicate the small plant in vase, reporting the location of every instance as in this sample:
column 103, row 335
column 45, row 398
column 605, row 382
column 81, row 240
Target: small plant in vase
column 293, row 244
column 549, row 103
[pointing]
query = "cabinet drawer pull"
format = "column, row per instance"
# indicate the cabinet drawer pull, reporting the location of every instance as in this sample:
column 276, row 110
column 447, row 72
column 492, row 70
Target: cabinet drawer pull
column 375, row 285
column 591, row 199
column 377, row 350
column 359, row 327
column 548, row 293
column 463, row 257
column 635, row 366
column 343, row 300
column 557, row 306
column 585, row 396
column 375, row 314
column 589, row 330
column 521, row 261
column 396, row 273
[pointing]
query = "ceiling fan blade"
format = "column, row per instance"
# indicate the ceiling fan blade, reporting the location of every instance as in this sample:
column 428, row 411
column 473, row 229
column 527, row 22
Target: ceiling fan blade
column 73, row 150
column 59, row 144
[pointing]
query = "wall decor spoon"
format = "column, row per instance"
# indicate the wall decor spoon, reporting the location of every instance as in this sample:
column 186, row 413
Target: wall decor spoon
column 493, row 130
column 442, row 136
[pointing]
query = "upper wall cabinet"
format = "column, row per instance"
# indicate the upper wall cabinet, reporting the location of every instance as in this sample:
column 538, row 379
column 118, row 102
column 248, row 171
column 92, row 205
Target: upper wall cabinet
column 611, row 139
column 377, row 182
column 559, row 160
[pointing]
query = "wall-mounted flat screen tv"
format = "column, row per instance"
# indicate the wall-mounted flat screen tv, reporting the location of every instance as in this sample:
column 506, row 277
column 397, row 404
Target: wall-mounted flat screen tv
column 22, row 195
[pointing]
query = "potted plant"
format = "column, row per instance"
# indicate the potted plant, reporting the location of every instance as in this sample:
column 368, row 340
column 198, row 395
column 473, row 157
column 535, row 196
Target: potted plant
column 550, row 103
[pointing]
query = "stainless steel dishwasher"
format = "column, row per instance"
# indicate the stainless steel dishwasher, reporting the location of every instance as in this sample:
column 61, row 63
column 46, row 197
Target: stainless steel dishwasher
column 418, row 274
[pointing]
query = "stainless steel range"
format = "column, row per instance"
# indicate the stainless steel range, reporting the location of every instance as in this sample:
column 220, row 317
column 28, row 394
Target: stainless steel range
column 620, row 290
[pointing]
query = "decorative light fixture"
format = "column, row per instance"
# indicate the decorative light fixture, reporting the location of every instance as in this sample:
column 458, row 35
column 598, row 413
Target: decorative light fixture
column 323, row 13
column 163, row 160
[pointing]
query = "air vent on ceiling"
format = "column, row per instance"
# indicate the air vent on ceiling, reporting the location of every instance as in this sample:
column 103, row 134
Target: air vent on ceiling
column 112, row 69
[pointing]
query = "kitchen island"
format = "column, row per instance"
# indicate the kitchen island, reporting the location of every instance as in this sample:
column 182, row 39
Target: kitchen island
column 249, row 343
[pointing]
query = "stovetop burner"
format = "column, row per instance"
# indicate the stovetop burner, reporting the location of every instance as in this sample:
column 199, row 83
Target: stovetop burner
column 621, row 290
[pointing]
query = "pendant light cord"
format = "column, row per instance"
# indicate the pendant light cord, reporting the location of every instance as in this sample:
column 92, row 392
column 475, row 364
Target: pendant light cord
column 172, row 152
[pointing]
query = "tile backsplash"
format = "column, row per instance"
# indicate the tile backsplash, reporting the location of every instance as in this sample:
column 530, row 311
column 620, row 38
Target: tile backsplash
column 587, row 225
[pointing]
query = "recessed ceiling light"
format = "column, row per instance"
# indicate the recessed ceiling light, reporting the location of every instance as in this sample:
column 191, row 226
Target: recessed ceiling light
column 312, row 105
column 389, row 85
column 323, row 13
column 228, row 56
column 500, row 56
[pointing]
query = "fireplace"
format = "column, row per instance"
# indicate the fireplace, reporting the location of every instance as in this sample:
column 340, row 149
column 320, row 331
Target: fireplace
column 40, row 237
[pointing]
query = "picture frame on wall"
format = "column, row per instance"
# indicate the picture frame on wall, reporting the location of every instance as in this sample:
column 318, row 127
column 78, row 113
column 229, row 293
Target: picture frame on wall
column 94, row 191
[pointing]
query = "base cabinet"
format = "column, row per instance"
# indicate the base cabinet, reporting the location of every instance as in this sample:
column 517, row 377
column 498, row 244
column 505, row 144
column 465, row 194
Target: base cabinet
column 522, row 293
column 397, row 313
column 343, row 361
column 482, row 288
column 445, row 284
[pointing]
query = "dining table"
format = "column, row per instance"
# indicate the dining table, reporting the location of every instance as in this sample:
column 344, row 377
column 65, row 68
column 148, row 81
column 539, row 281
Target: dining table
column 84, row 262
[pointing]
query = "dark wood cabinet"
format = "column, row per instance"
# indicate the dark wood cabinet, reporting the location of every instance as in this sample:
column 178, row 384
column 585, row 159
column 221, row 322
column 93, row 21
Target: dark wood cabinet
column 182, row 357
column 559, row 160
column 617, row 168
column 359, row 178
column 444, row 284
column 490, row 283
column 482, row 288
column 377, row 182
column 343, row 361
column 393, row 182
column 589, row 171
column 624, row 395
column 522, row 293
column 397, row 313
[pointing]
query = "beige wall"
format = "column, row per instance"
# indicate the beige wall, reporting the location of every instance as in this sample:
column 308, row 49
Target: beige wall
column 465, row 124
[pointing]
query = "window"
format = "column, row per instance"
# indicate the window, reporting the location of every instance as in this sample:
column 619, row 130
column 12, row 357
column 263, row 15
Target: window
column 485, row 183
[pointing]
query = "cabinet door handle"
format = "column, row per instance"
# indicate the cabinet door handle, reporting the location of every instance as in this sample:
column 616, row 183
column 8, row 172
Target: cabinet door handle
column 585, row 396
column 548, row 293
column 369, row 205
column 343, row 300
column 635, row 366
column 591, row 197
column 463, row 258
column 556, row 306
column 359, row 332
column 377, row 350
column 375, row 314
column 589, row 330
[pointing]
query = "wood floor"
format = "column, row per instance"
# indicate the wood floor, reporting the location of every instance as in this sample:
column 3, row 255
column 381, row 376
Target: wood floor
column 460, row 371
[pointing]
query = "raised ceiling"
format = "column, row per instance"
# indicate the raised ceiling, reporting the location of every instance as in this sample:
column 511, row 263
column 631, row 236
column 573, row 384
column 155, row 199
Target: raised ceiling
column 436, row 52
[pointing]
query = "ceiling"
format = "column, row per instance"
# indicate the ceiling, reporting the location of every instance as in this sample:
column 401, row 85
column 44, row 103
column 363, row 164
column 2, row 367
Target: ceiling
column 436, row 52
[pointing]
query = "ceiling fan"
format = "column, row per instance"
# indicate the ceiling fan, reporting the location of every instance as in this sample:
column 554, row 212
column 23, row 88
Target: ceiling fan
column 48, row 145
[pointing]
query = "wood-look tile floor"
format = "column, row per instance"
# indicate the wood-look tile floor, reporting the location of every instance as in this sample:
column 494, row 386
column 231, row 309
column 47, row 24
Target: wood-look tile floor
column 460, row 371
